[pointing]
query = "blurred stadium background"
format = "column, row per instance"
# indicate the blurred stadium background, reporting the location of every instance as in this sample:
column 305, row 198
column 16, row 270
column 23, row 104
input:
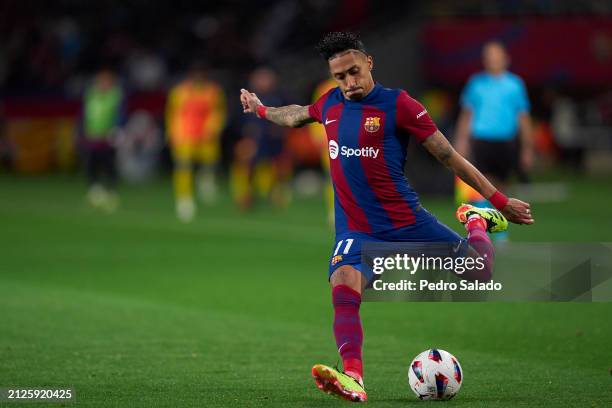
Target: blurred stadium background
column 136, row 309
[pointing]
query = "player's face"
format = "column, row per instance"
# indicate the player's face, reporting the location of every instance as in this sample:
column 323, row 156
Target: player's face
column 494, row 58
column 353, row 74
column 105, row 80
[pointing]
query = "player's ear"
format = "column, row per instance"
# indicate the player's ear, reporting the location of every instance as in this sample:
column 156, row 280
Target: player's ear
column 370, row 62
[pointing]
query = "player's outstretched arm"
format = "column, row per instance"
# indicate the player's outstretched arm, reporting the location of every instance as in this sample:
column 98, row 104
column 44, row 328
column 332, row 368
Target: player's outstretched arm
column 289, row 116
column 516, row 211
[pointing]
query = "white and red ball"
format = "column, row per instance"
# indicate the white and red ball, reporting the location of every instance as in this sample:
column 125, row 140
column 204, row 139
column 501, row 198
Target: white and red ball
column 435, row 374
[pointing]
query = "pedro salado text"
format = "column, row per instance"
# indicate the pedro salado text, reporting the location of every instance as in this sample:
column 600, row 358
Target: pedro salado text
column 411, row 264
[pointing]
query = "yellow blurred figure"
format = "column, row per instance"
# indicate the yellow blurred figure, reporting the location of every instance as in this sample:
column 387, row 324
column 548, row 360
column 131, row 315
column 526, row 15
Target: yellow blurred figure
column 317, row 132
column 195, row 117
column 465, row 193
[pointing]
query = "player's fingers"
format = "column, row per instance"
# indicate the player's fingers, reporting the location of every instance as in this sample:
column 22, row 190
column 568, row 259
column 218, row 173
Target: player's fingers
column 522, row 221
column 522, row 209
column 520, row 217
column 246, row 95
column 519, row 204
column 525, row 210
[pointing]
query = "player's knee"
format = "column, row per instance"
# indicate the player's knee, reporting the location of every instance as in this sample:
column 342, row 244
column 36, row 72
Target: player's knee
column 348, row 276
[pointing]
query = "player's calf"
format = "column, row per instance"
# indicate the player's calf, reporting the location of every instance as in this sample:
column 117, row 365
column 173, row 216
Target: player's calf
column 477, row 222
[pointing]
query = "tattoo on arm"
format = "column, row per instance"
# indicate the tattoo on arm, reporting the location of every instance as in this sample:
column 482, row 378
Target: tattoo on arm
column 440, row 148
column 291, row 115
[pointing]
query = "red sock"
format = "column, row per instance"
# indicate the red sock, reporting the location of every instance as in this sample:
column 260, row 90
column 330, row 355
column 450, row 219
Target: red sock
column 480, row 241
column 475, row 224
column 347, row 328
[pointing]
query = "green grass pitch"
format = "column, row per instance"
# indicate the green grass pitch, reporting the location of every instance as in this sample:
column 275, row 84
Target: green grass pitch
column 137, row 310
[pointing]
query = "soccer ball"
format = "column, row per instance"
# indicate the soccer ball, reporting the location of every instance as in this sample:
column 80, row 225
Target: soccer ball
column 435, row 375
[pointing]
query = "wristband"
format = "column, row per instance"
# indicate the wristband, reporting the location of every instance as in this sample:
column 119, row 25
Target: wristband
column 499, row 200
column 261, row 111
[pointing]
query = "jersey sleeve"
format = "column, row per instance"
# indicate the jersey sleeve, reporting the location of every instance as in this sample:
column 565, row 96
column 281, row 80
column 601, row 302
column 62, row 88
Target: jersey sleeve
column 316, row 109
column 412, row 117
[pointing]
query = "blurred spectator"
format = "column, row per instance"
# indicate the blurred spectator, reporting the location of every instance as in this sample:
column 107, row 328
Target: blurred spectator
column 102, row 118
column 495, row 107
column 261, row 164
column 195, row 118
column 565, row 128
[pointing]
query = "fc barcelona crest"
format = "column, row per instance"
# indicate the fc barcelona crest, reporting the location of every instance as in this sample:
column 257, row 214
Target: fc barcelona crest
column 372, row 124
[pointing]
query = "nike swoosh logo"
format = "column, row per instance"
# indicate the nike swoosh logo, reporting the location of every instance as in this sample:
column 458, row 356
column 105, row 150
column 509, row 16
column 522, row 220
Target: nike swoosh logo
column 328, row 121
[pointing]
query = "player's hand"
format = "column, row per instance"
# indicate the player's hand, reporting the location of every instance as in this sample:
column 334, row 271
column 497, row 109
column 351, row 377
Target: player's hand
column 518, row 212
column 249, row 101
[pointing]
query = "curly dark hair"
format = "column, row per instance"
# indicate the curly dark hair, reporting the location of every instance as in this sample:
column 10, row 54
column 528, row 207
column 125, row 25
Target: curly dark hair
column 339, row 41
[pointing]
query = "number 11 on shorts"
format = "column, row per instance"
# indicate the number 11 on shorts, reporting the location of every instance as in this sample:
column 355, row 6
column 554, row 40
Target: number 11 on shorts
column 347, row 247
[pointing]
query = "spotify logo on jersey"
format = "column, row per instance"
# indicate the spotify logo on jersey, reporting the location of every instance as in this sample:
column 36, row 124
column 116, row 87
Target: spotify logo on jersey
column 333, row 149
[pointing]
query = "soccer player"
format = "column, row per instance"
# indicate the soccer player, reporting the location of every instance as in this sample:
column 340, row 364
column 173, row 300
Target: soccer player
column 195, row 117
column 368, row 127
column 495, row 108
column 102, row 117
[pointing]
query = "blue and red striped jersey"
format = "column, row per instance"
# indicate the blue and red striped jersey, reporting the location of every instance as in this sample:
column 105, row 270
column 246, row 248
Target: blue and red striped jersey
column 367, row 142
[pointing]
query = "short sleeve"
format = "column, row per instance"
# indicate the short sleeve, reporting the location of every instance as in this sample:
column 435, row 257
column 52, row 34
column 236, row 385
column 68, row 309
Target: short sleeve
column 522, row 99
column 412, row 117
column 316, row 109
column 468, row 95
